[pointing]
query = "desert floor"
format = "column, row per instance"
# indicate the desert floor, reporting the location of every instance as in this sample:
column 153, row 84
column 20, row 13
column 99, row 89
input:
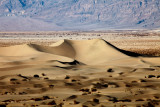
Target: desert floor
column 80, row 69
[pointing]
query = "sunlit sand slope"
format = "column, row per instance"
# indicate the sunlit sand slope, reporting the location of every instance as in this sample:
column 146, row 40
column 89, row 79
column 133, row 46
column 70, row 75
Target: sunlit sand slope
column 83, row 73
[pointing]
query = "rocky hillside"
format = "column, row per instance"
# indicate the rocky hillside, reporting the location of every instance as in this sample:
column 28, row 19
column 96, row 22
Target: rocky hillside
column 79, row 14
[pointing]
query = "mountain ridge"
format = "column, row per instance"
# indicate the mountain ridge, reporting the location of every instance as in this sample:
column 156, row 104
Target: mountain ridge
column 81, row 14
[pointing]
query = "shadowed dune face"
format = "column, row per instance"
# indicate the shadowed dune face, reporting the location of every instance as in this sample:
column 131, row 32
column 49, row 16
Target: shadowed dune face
column 77, row 74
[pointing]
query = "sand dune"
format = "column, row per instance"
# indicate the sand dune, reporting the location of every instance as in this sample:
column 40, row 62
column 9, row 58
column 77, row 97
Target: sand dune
column 90, row 52
column 61, row 48
column 73, row 73
column 97, row 52
column 18, row 50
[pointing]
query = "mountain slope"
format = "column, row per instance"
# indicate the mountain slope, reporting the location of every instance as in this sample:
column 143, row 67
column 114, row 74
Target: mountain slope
column 82, row 14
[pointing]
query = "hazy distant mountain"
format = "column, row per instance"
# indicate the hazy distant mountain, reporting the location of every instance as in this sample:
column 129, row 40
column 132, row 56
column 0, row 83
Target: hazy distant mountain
column 79, row 14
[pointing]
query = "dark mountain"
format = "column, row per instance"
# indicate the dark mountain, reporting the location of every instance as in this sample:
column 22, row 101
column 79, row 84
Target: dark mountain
column 79, row 14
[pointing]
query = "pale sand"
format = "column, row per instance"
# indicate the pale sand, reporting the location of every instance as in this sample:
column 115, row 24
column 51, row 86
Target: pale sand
column 77, row 73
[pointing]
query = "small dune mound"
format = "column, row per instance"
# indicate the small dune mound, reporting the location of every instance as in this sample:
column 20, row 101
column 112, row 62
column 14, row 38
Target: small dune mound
column 18, row 50
column 38, row 52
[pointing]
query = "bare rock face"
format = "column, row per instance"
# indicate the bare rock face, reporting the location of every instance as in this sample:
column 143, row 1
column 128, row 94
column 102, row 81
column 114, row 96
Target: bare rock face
column 81, row 14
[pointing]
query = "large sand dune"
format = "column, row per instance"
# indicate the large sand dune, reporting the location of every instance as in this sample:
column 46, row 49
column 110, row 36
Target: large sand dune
column 77, row 73
column 89, row 52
